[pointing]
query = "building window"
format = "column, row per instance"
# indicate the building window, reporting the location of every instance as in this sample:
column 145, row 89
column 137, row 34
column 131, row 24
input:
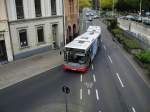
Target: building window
column 19, row 9
column 53, row 7
column 40, row 34
column 38, row 8
column 54, row 34
column 23, row 38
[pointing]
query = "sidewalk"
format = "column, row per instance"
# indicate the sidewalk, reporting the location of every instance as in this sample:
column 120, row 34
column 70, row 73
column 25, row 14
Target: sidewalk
column 22, row 69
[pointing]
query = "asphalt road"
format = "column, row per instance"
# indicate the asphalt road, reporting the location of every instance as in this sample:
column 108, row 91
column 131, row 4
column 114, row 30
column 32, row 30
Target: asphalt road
column 111, row 85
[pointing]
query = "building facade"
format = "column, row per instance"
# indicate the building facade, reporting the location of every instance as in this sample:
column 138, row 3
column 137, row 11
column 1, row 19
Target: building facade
column 71, row 19
column 6, row 53
column 35, row 26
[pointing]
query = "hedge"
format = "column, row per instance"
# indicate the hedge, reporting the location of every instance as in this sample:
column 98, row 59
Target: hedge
column 131, row 44
column 144, row 57
column 116, row 31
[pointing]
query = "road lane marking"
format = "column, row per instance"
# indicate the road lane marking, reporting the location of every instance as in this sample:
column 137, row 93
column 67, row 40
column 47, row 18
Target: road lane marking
column 104, row 47
column 81, row 78
column 89, row 92
column 94, row 78
column 88, row 84
column 92, row 67
column 99, row 111
column 97, row 95
column 101, row 40
column 110, row 59
column 120, row 80
column 133, row 109
column 81, row 94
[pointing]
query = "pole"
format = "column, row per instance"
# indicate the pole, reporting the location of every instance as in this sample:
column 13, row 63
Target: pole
column 66, row 102
column 78, row 9
column 113, row 7
column 64, row 22
column 140, row 7
column 66, row 91
column 100, row 5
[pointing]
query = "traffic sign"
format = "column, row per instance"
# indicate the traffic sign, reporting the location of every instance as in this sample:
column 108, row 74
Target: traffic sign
column 66, row 89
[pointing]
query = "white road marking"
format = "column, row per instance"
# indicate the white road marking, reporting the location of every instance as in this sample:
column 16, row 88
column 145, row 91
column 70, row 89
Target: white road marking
column 104, row 47
column 81, row 94
column 92, row 67
column 101, row 40
column 88, row 84
column 81, row 78
column 99, row 111
column 94, row 78
column 110, row 59
column 97, row 95
column 89, row 92
column 133, row 109
column 120, row 80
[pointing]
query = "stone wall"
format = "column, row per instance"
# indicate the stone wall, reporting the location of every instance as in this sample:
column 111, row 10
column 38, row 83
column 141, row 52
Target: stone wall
column 139, row 30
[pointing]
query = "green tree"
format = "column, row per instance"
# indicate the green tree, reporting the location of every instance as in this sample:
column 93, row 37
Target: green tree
column 84, row 3
column 125, row 5
column 107, row 4
column 132, row 5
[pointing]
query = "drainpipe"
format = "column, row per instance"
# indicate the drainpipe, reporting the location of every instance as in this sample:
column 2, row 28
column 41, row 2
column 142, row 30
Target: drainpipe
column 64, row 28
column 9, row 28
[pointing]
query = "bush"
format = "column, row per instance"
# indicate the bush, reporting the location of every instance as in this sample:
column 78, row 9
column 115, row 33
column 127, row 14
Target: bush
column 117, row 31
column 144, row 57
column 130, row 44
column 120, row 38
column 112, row 24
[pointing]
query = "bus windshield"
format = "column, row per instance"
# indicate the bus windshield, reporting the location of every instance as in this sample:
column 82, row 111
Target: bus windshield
column 75, row 57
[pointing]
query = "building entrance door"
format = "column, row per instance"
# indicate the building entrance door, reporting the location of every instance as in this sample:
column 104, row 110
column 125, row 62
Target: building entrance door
column 3, row 54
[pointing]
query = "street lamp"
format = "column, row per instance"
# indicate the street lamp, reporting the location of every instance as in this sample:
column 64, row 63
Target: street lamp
column 140, row 7
column 113, row 7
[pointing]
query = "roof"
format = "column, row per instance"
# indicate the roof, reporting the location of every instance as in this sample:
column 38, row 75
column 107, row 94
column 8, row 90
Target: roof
column 85, row 40
column 78, row 45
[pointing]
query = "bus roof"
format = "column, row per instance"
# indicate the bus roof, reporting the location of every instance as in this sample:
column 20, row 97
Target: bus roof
column 84, row 41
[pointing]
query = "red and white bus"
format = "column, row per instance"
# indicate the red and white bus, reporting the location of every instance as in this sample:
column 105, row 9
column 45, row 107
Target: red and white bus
column 79, row 53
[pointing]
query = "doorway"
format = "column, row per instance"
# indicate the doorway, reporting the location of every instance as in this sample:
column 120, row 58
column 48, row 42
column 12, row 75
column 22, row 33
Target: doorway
column 54, row 34
column 3, row 54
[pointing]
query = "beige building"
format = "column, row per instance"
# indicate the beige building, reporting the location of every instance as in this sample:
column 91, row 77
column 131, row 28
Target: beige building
column 71, row 19
column 35, row 26
column 5, row 43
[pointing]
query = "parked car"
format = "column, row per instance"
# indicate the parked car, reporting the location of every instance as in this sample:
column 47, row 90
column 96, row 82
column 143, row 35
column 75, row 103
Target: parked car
column 138, row 18
column 146, row 20
column 130, row 17
column 147, row 13
column 122, row 17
